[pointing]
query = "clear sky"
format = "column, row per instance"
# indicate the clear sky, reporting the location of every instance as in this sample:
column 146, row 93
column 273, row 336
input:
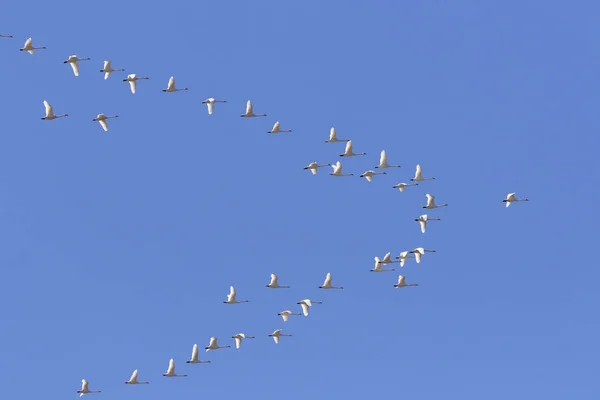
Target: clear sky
column 119, row 247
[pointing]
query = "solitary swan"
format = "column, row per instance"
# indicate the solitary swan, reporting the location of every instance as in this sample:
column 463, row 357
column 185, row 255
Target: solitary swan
column 368, row 175
column 101, row 118
column 327, row 283
column 420, row 252
column 402, row 284
column 403, row 257
column 401, row 186
column 383, row 163
column 132, row 78
column 277, row 334
column 333, row 137
column 337, row 170
column 108, row 69
column 431, row 202
column 74, row 61
column 286, row 314
column 274, row 284
column 313, row 166
column 28, row 47
column 171, row 86
column 306, row 303
column 277, row 129
column 349, row 153
column 379, row 266
column 213, row 345
column 210, row 103
column 422, row 220
column 134, row 379
column 171, row 371
column 419, row 175
column 510, row 198
column 250, row 113
column 194, row 359
column 50, row 113
column 231, row 297
column 85, row 389
column 6, row 36
column 238, row 339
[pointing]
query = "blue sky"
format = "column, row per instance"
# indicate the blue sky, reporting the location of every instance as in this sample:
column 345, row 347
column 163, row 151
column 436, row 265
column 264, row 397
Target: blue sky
column 118, row 248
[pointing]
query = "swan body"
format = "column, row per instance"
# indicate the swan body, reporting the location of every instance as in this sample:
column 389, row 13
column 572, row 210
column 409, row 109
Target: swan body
column 85, row 389
column 210, row 103
column 313, row 166
column 333, row 137
column 277, row 128
column 337, row 170
column 194, row 359
column 431, row 203
column 327, row 283
column 277, row 334
column 511, row 198
column 274, row 284
column 101, row 118
column 28, row 47
column 108, row 69
column 171, row 370
column 238, row 339
column 401, row 283
column 420, row 252
column 383, row 162
column 419, row 175
column 422, row 220
column 132, row 79
column 50, row 112
column 74, row 61
column 401, row 186
column 231, row 297
column 286, row 314
column 250, row 112
column 213, row 345
column 134, row 379
column 368, row 175
column 349, row 152
column 306, row 304
column 171, row 86
column 403, row 257
column 379, row 266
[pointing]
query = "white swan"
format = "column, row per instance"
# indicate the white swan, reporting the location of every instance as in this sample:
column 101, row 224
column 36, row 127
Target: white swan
column 277, row 129
column 274, row 284
column 348, row 151
column 132, row 79
column 286, row 314
column 213, row 345
column 333, row 137
column 422, row 220
column 327, row 283
column 403, row 257
column 171, row 86
column 431, row 203
column 231, row 297
column 74, row 61
column 379, row 266
column 238, row 339
column 85, row 389
column 108, row 69
column 419, row 175
column 306, row 303
column 401, row 283
column 194, row 359
column 368, row 175
column 250, row 111
column 277, row 334
column 210, row 103
column 101, row 118
column 420, row 252
column 401, row 186
column 337, row 170
column 387, row 259
column 510, row 198
column 50, row 112
column 383, row 163
column 313, row 166
column 28, row 47
column 6, row 36
column 171, row 371
column 134, row 379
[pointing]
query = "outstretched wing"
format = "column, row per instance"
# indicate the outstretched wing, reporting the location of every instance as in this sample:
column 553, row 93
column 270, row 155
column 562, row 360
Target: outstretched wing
column 423, row 224
column 106, row 65
column 195, row 352
column 418, row 172
column 430, row 199
column 75, row 67
column 273, row 280
column 132, row 86
column 400, row 280
column 84, row 383
column 383, row 158
column 332, row 134
column 275, row 127
column 210, row 106
column 304, row 308
column 171, row 84
column 327, row 280
column 49, row 110
column 238, row 342
column 134, row 376
column 104, row 124
column 171, row 369
column 348, row 147
column 248, row 107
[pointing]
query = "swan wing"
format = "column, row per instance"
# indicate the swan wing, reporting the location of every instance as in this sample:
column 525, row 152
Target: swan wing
column 285, row 316
column 75, row 66
column 171, row 369
column 423, row 223
column 84, row 383
column 27, row 43
column 134, row 376
column 195, row 353
column 418, row 257
column 213, row 342
column 337, row 168
column 104, row 124
column 276, row 339
column 327, row 280
column 387, row 258
column 106, row 65
column 211, row 107
column 313, row 170
column 238, row 342
column 383, row 158
column 400, row 280
column 510, row 197
column 248, row 107
column 332, row 134
column 274, row 280
column 132, row 85
column 369, row 178
column 418, row 172
column 232, row 293
column 171, row 84
column 430, row 199
column 348, row 147
column 49, row 110
column 275, row 127
column 304, row 308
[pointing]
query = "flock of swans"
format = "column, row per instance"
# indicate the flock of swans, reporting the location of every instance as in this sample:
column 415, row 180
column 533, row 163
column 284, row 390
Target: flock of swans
column 313, row 167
